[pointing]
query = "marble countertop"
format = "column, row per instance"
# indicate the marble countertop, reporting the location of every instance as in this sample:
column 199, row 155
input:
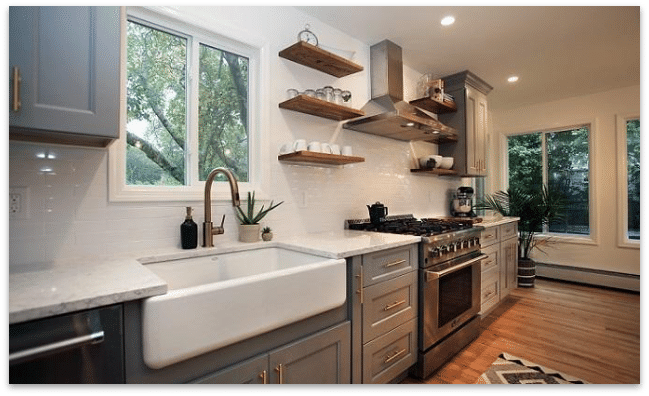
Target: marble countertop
column 45, row 289
column 494, row 221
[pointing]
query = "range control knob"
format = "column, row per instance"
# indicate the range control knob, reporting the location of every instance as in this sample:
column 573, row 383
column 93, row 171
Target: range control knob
column 434, row 252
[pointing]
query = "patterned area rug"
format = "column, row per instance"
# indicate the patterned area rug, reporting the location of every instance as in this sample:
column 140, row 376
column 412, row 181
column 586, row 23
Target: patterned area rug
column 509, row 369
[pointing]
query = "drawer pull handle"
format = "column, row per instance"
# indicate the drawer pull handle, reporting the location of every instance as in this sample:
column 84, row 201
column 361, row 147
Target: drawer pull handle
column 395, row 355
column 392, row 264
column 360, row 285
column 394, row 304
column 264, row 377
column 491, row 293
column 488, row 236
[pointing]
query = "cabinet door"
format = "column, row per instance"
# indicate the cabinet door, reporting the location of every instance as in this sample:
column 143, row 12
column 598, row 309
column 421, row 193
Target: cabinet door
column 481, row 134
column 509, row 266
column 323, row 358
column 68, row 62
column 253, row 371
column 389, row 304
column 389, row 355
column 476, row 131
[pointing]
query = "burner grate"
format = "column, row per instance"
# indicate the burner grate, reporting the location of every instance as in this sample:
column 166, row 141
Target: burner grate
column 408, row 225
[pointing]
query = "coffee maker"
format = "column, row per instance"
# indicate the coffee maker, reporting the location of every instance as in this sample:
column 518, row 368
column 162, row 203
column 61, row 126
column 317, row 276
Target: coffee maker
column 462, row 204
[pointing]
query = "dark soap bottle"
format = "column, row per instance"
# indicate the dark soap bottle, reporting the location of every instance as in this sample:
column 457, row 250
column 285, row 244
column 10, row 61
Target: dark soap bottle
column 189, row 232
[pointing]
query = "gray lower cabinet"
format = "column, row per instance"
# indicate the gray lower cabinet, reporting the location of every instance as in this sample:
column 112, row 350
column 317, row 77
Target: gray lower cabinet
column 322, row 358
column 384, row 314
column 64, row 71
column 500, row 244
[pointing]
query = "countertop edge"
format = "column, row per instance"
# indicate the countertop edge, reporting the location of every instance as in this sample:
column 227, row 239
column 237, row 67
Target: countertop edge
column 493, row 223
column 82, row 304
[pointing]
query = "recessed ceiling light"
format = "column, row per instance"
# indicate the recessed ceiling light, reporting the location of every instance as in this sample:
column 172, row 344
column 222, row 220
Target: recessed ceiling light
column 448, row 20
column 512, row 79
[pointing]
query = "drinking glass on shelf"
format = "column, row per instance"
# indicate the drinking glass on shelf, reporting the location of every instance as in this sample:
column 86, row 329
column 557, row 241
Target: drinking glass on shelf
column 338, row 96
column 310, row 92
column 320, row 94
column 329, row 93
column 291, row 93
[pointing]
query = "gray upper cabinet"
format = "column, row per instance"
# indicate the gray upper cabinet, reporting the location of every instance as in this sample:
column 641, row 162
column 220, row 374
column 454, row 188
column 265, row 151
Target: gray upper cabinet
column 64, row 73
column 470, row 120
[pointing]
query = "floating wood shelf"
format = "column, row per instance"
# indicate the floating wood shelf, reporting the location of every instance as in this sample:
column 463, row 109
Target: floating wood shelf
column 434, row 106
column 435, row 171
column 320, row 108
column 316, row 58
column 311, row 157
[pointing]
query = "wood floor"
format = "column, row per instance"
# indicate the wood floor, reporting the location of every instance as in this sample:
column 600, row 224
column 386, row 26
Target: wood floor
column 588, row 332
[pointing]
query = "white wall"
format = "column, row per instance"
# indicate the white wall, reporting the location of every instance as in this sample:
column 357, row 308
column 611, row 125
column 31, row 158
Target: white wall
column 71, row 216
column 601, row 110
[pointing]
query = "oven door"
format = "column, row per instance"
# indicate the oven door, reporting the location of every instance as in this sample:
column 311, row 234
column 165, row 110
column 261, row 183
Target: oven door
column 450, row 297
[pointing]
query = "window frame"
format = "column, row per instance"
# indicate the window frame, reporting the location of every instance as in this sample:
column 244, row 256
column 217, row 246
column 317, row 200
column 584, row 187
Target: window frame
column 211, row 34
column 593, row 237
column 622, row 181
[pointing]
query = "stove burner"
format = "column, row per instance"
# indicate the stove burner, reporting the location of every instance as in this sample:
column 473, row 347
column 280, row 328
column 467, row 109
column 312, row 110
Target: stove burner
column 412, row 226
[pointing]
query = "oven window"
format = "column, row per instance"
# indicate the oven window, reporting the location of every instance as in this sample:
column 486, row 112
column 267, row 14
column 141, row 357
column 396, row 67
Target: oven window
column 455, row 295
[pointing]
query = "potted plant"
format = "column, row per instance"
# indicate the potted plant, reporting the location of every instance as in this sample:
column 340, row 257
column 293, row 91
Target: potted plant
column 534, row 209
column 266, row 234
column 249, row 220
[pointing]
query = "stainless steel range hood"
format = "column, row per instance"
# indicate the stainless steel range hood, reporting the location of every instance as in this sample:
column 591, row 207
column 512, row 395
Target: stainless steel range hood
column 387, row 113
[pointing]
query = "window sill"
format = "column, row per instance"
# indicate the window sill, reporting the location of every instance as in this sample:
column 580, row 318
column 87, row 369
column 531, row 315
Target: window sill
column 220, row 193
column 629, row 244
column 571, row 239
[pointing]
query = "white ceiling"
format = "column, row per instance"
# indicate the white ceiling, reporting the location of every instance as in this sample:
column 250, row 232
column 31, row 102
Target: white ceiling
column 557, row 52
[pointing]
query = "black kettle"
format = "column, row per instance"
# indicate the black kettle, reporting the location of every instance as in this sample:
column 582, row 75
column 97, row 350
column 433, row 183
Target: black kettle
column 378, row 211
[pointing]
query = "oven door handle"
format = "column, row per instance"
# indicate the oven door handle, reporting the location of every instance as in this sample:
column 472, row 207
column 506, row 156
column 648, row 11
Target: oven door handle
column 432, row 275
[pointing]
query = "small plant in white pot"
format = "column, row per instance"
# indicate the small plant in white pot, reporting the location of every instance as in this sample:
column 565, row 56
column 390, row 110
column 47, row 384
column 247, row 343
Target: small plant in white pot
column 266, row 234
column 249, row 227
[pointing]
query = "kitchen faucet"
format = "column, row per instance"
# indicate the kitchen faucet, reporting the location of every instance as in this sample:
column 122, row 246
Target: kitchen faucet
column 208, row 228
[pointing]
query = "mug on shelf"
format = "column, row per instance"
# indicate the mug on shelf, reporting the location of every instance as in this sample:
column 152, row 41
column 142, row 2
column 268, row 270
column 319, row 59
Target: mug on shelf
column 286, row 148
column 316, row 147
column 299, row 145
column 326, row 148
column 346, row 150
column 335, row 149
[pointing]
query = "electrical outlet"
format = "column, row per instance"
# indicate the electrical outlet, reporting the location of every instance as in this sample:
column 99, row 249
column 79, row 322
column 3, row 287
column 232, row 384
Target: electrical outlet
column 18, row 202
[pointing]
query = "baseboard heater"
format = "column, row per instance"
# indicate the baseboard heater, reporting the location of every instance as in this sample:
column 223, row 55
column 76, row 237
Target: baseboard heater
column 617, row 280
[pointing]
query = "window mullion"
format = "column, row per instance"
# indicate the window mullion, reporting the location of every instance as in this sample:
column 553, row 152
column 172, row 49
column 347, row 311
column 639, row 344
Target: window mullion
column 544, row 168
column 192, row 114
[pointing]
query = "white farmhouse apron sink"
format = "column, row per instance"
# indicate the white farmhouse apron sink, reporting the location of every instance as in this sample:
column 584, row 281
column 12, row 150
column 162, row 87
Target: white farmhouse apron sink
column 214, row 301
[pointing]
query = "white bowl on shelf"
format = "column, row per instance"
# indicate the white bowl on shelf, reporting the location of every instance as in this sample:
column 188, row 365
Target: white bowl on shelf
column 446, row 163
column 423, row 161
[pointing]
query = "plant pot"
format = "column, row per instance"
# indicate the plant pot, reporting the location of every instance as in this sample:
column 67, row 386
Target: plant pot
column 267, row 236
column 526, row 272
column 249, row 232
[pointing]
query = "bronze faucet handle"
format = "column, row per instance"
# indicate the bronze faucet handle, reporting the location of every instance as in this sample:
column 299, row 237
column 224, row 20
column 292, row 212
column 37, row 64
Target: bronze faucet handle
column 219, row 230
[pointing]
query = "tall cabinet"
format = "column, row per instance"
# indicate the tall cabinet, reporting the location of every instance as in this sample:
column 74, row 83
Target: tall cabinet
column 64, row 73
column 470, row 120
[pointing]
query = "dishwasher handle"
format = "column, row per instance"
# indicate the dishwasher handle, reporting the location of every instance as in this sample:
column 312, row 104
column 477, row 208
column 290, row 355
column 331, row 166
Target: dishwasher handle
column 55, row 347
column 432, row 275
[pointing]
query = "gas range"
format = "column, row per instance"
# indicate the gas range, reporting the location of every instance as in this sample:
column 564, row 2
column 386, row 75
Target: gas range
column 442, row 239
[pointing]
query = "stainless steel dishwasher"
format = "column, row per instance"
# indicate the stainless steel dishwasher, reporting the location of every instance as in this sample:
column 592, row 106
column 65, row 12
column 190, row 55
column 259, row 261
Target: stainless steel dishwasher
column 83, row 347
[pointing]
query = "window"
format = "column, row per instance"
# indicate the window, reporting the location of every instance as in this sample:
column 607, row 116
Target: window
column 633, row 178
column 190, row 107
column 560, row 160
column 628, row 176
column 158, row 148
